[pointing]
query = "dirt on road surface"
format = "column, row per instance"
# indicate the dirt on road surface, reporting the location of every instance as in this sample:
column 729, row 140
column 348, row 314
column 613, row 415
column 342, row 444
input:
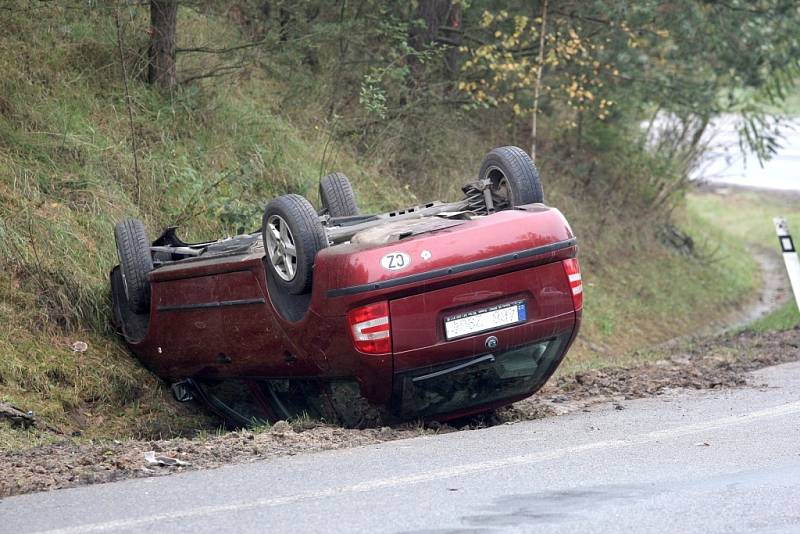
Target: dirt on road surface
column 716, row 362
column 721, row 361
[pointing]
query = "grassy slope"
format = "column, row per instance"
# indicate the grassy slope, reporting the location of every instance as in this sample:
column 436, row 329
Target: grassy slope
column 747, row 216
column 66, row 177
column 639, row 292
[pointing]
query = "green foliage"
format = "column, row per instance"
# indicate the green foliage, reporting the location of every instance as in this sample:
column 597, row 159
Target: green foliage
column 603, row 56
column 372, row 96
column 504, row 69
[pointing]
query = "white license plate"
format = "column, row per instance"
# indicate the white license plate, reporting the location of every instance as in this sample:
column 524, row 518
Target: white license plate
column 466, row 324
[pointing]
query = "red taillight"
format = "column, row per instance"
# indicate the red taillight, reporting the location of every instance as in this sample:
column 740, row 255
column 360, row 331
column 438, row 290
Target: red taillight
column 573, row 271
column 370, row 328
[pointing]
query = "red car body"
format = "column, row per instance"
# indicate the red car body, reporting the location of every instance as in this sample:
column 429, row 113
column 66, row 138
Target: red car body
column 222, row 317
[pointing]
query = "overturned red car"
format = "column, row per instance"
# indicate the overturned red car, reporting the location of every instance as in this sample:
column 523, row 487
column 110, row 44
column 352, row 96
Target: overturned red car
column 436, row 311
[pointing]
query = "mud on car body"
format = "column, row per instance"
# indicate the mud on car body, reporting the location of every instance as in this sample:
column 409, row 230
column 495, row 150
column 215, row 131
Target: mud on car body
column 438, row 310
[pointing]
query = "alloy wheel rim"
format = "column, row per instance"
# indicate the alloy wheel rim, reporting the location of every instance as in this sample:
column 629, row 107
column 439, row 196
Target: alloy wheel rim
column 281, row 248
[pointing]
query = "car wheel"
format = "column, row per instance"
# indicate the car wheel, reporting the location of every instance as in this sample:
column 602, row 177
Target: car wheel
column 337, row 195
column 133, row 249
column 514, row 178
column 292, row 237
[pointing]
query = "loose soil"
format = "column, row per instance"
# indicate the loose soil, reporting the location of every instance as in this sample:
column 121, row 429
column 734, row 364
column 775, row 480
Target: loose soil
column 721, row 361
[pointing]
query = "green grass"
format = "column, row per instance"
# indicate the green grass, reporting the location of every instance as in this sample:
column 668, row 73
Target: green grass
column 639, row 292
column 747, row 216
column 784, row 318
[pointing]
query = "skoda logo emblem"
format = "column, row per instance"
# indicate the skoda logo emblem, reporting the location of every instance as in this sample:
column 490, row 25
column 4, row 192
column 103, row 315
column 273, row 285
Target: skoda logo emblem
column 491, row 342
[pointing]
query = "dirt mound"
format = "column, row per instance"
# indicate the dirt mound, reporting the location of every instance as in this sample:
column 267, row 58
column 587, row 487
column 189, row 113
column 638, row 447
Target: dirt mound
column 721, row 361
column 67, row 464
column 715, row 362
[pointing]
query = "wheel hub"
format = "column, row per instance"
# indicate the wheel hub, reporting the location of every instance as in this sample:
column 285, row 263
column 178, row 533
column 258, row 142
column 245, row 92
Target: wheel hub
column 280, row 248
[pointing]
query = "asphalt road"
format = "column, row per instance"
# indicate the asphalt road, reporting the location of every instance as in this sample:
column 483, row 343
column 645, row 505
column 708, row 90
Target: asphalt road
column 714, row 461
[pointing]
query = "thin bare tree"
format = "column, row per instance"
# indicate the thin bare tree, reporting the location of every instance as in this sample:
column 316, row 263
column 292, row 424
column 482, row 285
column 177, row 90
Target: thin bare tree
column 538, row 86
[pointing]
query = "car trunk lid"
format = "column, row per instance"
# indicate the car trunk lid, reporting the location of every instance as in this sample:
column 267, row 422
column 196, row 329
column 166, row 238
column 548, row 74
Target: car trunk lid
column 348, row 274
column 481, row 316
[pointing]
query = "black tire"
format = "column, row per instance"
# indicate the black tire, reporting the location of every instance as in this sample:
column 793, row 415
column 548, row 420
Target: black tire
column 296, row 224
column 135, row 261
column 515, row 179
column 337, row 196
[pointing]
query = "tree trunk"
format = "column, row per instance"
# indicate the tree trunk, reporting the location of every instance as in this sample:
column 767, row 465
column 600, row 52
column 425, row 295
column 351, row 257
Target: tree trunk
column 434, row 14
column 537, row 87
column 163, row 19
column 453, row 55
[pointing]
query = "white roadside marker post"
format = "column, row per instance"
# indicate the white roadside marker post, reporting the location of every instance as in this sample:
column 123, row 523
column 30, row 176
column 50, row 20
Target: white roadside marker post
column 789, row 256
